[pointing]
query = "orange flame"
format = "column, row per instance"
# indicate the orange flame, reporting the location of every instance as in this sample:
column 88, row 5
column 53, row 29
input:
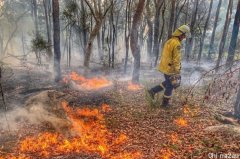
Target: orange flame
column 88, row 84
column 181, row 122
column 133, row 86
column 166, row 154
column 90, row 137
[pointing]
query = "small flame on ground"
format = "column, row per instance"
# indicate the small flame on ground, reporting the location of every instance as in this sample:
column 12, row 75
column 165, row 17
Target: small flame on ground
column 181, row 122
column 166, row 154
column 134, row 86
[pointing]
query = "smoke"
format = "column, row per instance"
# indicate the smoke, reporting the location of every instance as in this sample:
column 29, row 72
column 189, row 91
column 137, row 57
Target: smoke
column 38, row 110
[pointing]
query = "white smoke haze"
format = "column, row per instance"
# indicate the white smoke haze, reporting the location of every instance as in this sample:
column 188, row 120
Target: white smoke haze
column 38, row 109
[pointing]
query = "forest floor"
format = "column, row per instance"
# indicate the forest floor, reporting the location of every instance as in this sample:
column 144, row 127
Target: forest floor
column 153, row 132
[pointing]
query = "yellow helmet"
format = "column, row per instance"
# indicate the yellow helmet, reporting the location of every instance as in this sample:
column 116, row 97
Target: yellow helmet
column 184, row 29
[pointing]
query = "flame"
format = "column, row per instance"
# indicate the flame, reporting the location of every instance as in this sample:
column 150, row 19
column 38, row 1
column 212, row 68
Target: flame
column 166, row 154
column 89, row 136
column 134, row 86
column 181, row 122
column 88, row 84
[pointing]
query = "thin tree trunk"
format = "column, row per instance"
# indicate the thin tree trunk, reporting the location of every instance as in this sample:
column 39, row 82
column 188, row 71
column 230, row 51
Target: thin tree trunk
column 134, row 40
column 211, row 46
column 49, row 49
column 233, row 42
column 35, row 17
column 127, row 32
column 204, row 31
column 161, row 34
column 113, row 38
column 224, row 35
column 190, row 40
column 93, row 34
column 177, row 15
column 150, row 31
column 237, row 103
column 84, row 25
column 156, row 28
column 171, row 20
column 56, row 40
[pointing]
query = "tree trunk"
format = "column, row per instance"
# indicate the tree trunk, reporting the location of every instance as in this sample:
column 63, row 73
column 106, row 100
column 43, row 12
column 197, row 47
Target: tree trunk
column 233, row 42
column 224, row 35
column 161, row 35
column 134, row 40
column 56, row 40
column 150, row 31
column 84, row 25
column 211, row 46
column 35, row 15
column 93, row 34
column 156, row 28
column 103, row 39
column 237, row 103
column 113, row 38
column 190, row 40
column 171, row 20
column 204, row 31
column 127, row 32
column 49, row 49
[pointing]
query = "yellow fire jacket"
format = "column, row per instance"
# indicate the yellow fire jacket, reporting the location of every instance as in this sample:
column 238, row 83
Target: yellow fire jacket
column 170, row 62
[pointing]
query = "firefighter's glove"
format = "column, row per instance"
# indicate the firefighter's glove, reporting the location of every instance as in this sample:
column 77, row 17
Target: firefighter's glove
column 175, row 80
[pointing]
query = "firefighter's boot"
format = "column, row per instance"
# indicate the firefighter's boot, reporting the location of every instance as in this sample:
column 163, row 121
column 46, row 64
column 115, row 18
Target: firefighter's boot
column 154, row 90
column 165, row 102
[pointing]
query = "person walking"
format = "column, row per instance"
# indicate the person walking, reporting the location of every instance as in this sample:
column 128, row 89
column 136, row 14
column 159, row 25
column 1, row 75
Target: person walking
column 170, row 65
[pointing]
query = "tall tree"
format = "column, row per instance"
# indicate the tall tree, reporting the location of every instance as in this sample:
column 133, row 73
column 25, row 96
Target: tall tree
column 211, row 46
column 204, row 31
column 56, row 40
column 134, row 40
column 99, row 17
column 224, row 34
column 233, row 42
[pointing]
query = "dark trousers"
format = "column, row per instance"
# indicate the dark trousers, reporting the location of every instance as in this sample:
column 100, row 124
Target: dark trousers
column 166, row 86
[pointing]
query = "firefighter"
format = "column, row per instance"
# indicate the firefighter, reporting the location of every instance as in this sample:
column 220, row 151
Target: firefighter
column 170, row 65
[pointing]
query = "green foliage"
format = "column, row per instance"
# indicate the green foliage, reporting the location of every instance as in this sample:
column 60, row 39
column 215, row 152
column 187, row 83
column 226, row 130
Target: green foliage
column 70, row 9
column 39, row 43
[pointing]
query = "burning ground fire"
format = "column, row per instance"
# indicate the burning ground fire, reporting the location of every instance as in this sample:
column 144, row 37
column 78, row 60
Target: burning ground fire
column 89, row 136
column 95, row 83
column 88, row 84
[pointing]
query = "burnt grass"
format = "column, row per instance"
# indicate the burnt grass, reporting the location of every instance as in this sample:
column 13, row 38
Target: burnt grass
column 149, row 126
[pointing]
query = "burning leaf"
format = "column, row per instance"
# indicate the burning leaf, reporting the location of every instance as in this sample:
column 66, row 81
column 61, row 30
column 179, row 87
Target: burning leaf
column 181, row 122
column 166, row 154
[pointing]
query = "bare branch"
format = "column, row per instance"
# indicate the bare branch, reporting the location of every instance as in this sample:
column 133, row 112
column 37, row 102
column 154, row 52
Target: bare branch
column 91, row 9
